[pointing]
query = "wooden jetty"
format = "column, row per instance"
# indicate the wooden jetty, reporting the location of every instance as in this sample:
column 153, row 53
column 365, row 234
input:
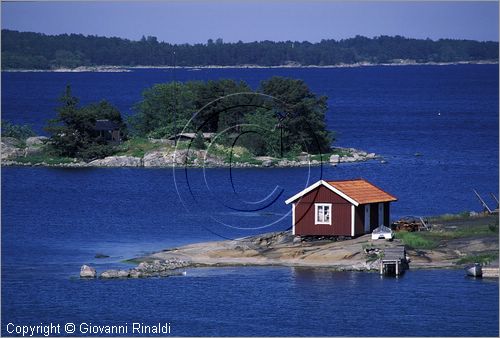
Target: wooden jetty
column 490, row 272
column 394, row 261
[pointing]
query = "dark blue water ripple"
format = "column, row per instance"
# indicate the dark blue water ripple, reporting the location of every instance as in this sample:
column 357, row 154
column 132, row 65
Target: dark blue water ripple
column 54, row 220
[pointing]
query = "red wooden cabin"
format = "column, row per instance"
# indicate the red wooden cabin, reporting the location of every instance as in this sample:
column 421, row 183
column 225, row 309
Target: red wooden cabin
column 340, row 208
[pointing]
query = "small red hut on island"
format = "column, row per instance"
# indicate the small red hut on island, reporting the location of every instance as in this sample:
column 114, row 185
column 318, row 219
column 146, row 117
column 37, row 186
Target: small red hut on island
column 340, row 208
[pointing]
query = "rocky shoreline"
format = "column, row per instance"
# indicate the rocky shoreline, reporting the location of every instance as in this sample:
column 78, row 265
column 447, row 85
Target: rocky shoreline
column 157, row 268
column 271, row 249
column 458, row 239
column 116, row 69
column 15, row 155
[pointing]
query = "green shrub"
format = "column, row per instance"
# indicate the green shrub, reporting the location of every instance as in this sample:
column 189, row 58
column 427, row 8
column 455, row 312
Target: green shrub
column 493, row 228
column 416, row 240
column 95, row 151
column 294, row 151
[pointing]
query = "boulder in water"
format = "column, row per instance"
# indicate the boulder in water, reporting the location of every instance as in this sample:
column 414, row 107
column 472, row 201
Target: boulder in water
column 87, row 272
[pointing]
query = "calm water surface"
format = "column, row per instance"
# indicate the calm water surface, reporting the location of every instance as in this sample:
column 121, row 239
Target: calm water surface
column 54, row 220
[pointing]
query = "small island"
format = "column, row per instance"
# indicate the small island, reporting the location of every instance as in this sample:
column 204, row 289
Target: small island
column 211, row 124
column 452, row 242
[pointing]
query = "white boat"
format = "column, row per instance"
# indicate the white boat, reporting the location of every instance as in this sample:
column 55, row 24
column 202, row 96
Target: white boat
column 382, row 232
column 474, row 270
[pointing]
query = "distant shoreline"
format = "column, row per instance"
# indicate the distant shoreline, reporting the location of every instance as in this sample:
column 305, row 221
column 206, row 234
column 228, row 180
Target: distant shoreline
column 119, row 69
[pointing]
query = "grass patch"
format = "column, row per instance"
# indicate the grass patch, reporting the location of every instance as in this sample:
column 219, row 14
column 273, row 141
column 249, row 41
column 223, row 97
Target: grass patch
column 137, row 147
column 340, row 152
column 372, row 258
column 481, row 258
column 450, row 217
column 321, row 157
column 480, row 230
column 44, row 158
column 236, row 154
column 416, row 240
column 431, row 239
column 184, row 145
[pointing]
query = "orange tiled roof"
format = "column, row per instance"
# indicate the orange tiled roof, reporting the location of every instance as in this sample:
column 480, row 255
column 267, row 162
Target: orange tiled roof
column 362, row 191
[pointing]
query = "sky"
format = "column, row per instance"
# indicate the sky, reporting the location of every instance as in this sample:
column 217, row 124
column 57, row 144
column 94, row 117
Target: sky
column 197, row 21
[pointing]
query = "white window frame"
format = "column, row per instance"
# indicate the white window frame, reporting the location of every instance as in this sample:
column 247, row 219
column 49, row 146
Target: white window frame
column 316, row 207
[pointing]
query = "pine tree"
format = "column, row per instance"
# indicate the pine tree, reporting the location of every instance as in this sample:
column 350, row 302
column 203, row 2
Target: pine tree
column 199, row 142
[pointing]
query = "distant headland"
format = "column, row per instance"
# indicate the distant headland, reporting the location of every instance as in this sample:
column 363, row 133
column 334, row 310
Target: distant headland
column 66, row 52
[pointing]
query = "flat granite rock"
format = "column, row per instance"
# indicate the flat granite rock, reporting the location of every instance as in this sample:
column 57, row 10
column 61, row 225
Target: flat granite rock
column 114, row 274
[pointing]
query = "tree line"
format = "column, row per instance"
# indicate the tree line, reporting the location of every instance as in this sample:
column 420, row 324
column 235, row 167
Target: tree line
column 28, row 50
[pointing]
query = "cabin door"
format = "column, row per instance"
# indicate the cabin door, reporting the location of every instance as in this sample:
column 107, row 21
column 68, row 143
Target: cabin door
column 367, row 218
column 381, row 214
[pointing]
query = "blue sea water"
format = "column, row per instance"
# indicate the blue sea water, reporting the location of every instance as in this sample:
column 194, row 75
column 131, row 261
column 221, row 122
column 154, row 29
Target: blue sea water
column 54, row 220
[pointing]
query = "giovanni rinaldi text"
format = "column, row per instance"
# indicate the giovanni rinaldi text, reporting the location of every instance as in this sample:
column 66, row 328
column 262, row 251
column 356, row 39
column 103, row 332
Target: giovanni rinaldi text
column 52, row 329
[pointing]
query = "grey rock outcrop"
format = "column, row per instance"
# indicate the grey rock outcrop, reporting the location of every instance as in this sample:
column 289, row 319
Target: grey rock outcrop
column 156, row 158
column 11, row 148
column 178, row 157
column 165, row 158
column 162, row 265
column 33, row 150
column 287, row 163
column 35, row 145
column 108, row 274
column 117, row 161
column 87, row 272
column 10, row 152
column 156, row 268
column 334, row 159
column 347, row 159
column 36, row 141
column 304, row 157
column 11, row 141
column 267, row 163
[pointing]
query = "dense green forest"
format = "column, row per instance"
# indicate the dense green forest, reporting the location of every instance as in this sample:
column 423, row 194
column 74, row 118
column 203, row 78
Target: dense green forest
column 26, row 50
column 281, row 109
